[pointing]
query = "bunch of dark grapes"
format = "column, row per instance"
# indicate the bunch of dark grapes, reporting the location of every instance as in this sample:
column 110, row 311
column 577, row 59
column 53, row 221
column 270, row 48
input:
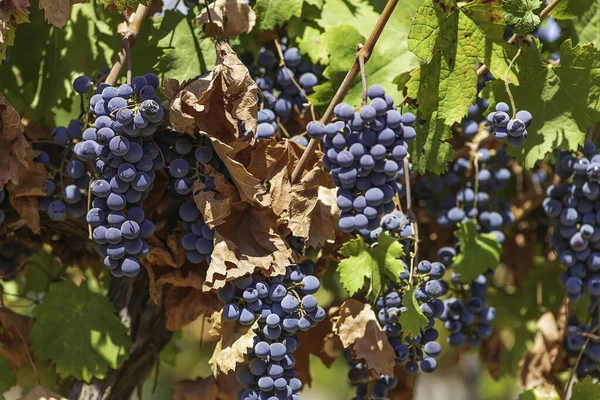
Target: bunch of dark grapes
column 120, row 144
column 418, row 350
column 466, row 317
column 284, row 90
column 582, row 341
column 573, row 206
column 396, row 224
column 451, row 197
column 66, row 190
column 513, row 129
column 365, row 389
column 364, row 151
column 281, row 305
column 198, row 239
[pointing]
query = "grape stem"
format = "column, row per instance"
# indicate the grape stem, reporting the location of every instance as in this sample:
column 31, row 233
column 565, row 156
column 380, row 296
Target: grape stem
column 133, row 30
column 507, row 83
column 365, row 53
column 413, row 220
column 287, row 71
column 543, row 14
column 363, row 75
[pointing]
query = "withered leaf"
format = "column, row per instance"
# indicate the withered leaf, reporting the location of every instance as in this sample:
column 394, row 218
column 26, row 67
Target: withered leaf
column 215, row 205
column 14, row 336
column 229, row 18
column 57, row 11
column 249, row 241
column 234, row 342
column 40, row 392
column 185, row 304
column 13, row 145
column 356, row 325
column 224, row 387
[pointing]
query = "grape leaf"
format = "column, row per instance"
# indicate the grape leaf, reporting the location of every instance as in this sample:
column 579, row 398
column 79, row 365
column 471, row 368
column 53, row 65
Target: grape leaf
column 234, row 342
column 121, row 4
column 272, row 13
column 86, row 340
column 586, row 389
column 12, row 13
column 520, row 13
column 479, row 251
column 227, row 18
column 346, row 25
column 56, row 11
column 557, row 123
column 584, row 16
column 40, row 270
column 539, row 394
column 430, row 151
column 7, row 376
column 13, row 144
column 378, row 264
column 411, row 319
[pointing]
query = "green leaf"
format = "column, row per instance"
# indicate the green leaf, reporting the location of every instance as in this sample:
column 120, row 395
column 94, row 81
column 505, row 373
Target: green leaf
column 520, row 13
column 311, row 44
column 585, row 17
column 430, row 151
column 411, row 318
column 586, row 389
column 40, row 270
column 272, row 13
column 562, row 99
column 121, row 4
column 7, row 376
column 79, row 331
column 479, row 251
column 174, row 48
column 345, row 25
column 379, row 264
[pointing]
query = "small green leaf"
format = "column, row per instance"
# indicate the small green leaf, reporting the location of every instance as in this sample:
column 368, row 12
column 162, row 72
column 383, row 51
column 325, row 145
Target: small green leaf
column 586, row 389
column 379, row 264
column 79, row 331
column 520, row 13
column 272, row 13
column 479, row 251
column 412, row 318
column 7, row 376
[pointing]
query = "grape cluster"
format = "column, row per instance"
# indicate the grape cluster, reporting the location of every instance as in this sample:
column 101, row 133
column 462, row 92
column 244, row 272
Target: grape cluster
column 125, row 159
column 468, row 318
column 418, row 351
column 281, row 305
column 513, row 129
column 576, row 341
column 198, row 240
column 364, row 151
column 549, row 31
column 451, row 198
column 395, row 224
column 359, row 378
column 470, row 124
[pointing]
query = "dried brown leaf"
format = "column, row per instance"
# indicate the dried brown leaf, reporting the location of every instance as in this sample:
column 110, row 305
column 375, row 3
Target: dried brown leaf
column 184, row 305
column 224, row 387
column 40, row 392
column 356, row 325
column 235, row 340
column 542, row 358
column 57, row 11
column 14, row 336
column 249, row 240
column 216, row 204
column 229, row 18
column 13, row 145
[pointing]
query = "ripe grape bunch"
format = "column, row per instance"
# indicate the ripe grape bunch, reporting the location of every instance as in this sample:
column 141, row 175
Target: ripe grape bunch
column 514, row 129
column 359, row 378
column 417, row 350
column 120, row 144
column 396, row 224
column 198, row 240
column 281, row 305
column 582, row 341
column 364, row 151
column 573, row 206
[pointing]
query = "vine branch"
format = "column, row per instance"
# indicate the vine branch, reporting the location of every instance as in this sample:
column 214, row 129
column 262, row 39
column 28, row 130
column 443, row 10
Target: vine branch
column 133, row 30
column 365, row 54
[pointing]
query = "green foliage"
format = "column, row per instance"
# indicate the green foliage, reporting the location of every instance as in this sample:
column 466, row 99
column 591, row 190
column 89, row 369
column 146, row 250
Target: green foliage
column 175, row 48
column 520, row 13
column 40, row 270
column 7, row 376
column 79, row 331
column 584, row 16
column 412, row 319
column 479, row 252
column 586, row 389
column 273, row 13
column 561, row 98
column 378, row 264
column 121, row 4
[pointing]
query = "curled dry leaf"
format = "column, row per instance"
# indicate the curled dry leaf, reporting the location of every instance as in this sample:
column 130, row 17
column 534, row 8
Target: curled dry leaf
column 249, row 241
column 216, row 205
column 356, row 326
column 234, row 342
column 14, row 335
column 57, row 11
column 13, row 145
column 219, row 101
column 229, row 18
column 185, row 304
column 542, row 360
column 225, row 387
column 12, row 13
